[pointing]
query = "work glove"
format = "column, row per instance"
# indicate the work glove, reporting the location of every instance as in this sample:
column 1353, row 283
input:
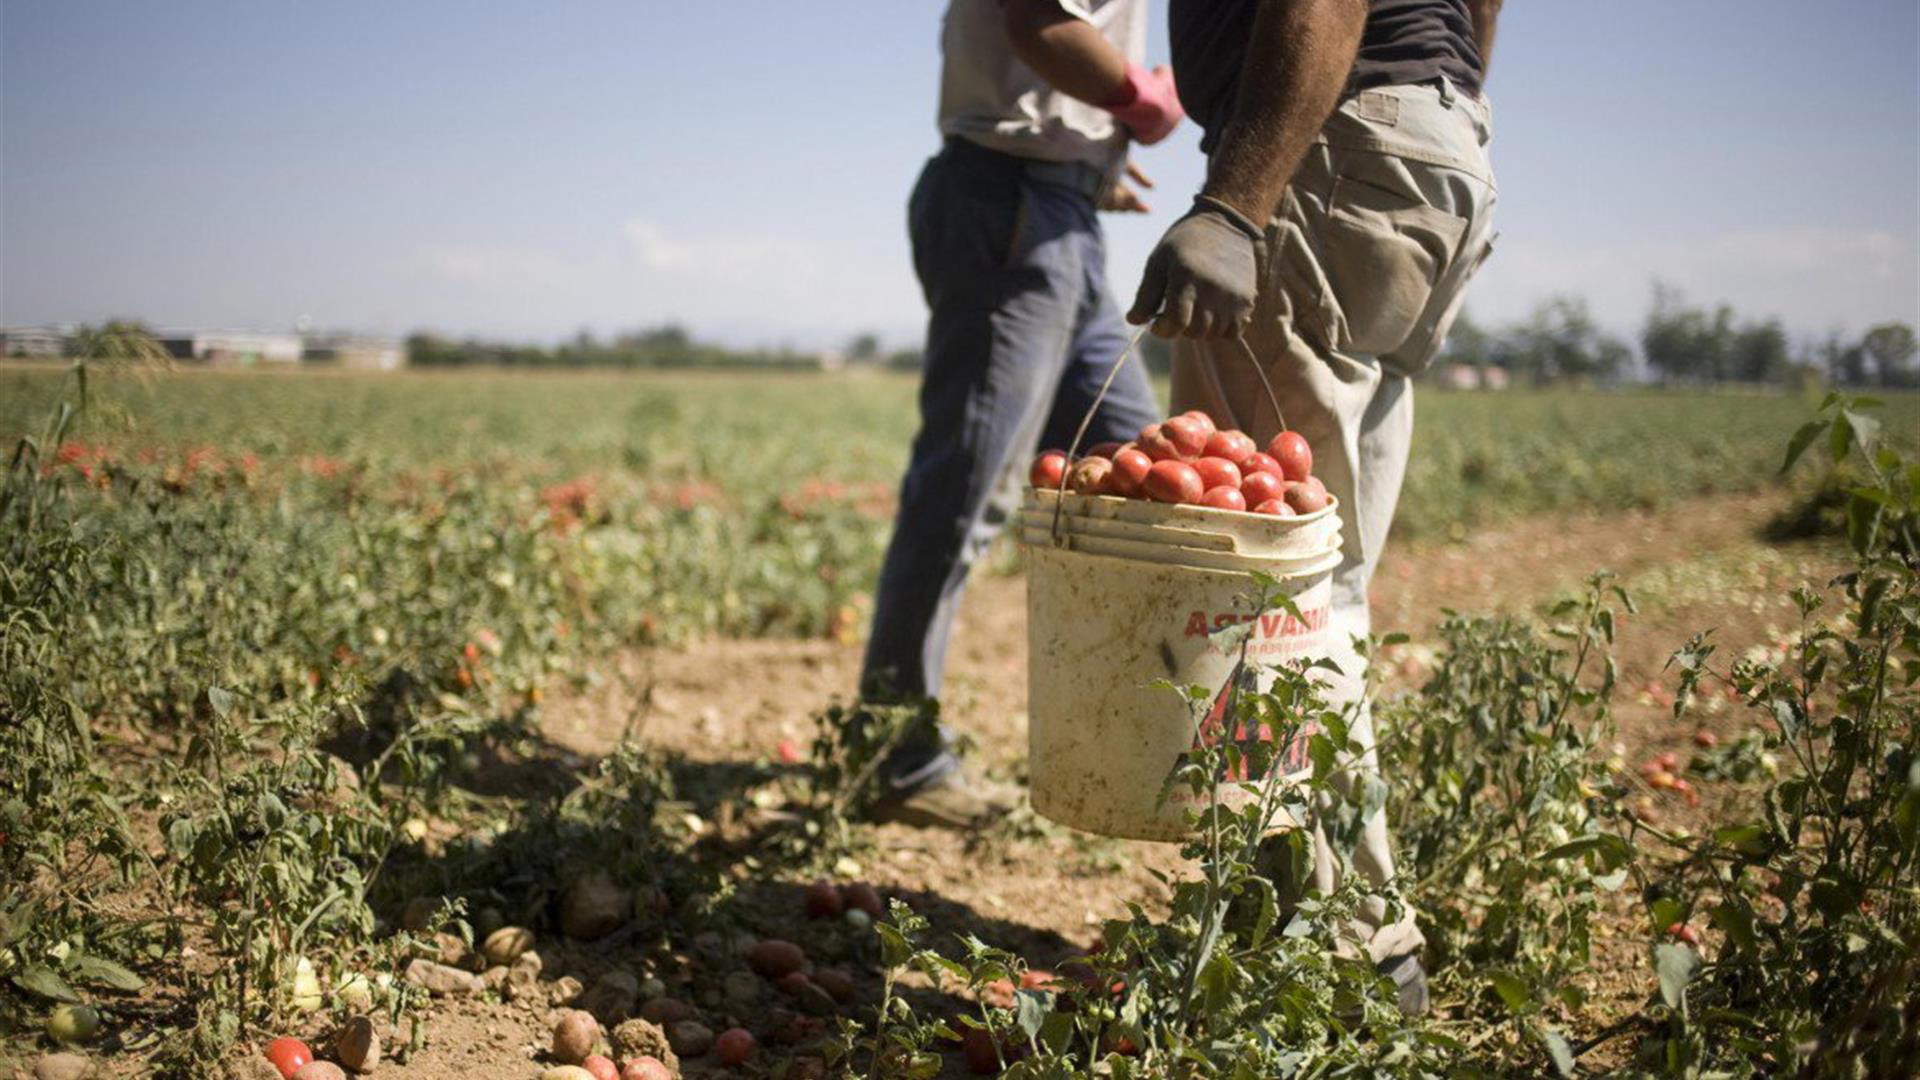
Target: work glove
column 1147, row 106
column 1203, row 277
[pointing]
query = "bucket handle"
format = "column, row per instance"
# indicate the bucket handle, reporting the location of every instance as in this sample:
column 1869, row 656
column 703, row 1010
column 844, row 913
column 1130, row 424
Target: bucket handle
column 1060, row 492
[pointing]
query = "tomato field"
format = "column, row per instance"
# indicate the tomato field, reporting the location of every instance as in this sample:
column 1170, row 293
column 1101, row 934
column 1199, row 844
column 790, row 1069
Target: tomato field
column 492, row 724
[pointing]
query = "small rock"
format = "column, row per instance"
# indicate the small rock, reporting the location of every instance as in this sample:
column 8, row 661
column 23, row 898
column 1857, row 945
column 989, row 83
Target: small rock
column 612, row 997
column 249, row 1067
column 690, row 1038
column 666, row 1010
column 495, row 977
column 357, row 1046
column 318, row 1070
column 741, row 988
column 593, row 907
column 528, row 961
column 652, row 988
column 62, row 1067
column 441, row 980
column 506, row 944
column 521, row 985
column 642, row 1038
column 450, row 950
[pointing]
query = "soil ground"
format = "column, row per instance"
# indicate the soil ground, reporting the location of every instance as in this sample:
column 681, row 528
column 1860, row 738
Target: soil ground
column 1040, row 889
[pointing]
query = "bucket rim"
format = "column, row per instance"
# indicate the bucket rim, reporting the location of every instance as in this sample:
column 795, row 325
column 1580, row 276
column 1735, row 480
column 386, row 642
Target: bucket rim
column 1048, row 496
column 1324, row 562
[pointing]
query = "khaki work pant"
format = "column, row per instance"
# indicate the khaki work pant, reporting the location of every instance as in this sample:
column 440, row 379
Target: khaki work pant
column 1368, row 258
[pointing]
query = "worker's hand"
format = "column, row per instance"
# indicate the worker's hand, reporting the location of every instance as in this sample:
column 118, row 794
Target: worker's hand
column 1123, row 199
column 1204, row 276
column 1148, row 106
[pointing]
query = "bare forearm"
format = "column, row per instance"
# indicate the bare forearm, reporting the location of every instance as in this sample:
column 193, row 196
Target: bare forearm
column 1067, row 52
column 1485, row 14
column 1297, row 63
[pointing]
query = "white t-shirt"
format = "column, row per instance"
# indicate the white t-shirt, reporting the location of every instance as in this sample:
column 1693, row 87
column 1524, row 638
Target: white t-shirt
column 989, row 97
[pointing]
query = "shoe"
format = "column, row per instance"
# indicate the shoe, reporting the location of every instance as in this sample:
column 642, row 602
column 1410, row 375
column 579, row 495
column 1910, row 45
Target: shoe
column 1411, row 981
column 961, row 799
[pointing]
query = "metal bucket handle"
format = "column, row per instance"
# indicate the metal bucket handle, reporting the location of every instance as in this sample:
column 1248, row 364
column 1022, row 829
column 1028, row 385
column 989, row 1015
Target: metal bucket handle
column 1060, row 492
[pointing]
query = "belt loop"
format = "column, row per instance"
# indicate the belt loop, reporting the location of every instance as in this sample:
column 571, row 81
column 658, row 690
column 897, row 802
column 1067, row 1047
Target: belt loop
column 1446, row 91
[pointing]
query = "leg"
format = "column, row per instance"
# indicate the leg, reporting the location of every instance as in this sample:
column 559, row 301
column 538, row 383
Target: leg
column 1003, row 316
column 1130, row 403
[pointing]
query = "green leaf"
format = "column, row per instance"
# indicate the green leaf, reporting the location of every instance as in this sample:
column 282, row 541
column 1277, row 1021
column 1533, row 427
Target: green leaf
column 1511, row 988
column 42, row 981
column 1676, row 966
column 1029, row 1011
column 1840, row 438
column 1865, row 429
column 1801, row 440
column 96, row 969
column 221, row 700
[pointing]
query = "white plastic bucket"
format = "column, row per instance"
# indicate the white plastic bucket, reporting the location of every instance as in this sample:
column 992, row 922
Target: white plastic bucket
column 1108, row 615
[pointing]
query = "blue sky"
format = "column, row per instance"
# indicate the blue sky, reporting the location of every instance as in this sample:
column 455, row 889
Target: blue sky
column 525, row 170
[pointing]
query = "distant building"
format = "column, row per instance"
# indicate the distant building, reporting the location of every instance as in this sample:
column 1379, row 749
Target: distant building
column 36, row 341
column 1474, row 377
column 353, row 352
column 231, row 348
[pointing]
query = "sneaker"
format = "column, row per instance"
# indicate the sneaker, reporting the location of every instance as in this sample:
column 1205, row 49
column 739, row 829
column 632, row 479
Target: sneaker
column 1411, row 981
column 962, row 799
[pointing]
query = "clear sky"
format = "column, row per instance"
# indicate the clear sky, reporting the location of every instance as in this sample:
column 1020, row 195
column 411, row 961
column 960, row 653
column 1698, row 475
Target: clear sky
column 524, row 170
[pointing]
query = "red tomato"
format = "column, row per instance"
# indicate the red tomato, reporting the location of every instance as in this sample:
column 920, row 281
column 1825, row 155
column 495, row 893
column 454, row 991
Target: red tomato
column 1669, row 760
column 1705, row 740
column 1235, row 446
column 1199, row 416
column 866, row 898
column 1290, row 449
column 1217, row 472
column 1047, row 469
column 1174, row 482
column 1105, row 450
column 1259, row 462
column 1189, row 438
column 734, row 1046
column 1089, row 475
column 1129, row 473
column 645, row 1068
column 602, row 1068
column 1682, row 932
column 1156, row 443
column 1261, row 486
column 1274, row 508
column 1307, row 496
column 823, row 900
column 1224, row 498
column 287, row 1054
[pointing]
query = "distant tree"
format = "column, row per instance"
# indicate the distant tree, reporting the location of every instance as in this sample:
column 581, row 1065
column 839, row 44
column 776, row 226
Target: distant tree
column 906, row 360
column 1468, row 344
column 1891, row 348
column 1561, row 341
column 1683, row 342
column 1759, row 352
column 864, row 348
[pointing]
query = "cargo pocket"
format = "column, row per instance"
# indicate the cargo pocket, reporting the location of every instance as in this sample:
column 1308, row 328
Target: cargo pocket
column 1384, row 250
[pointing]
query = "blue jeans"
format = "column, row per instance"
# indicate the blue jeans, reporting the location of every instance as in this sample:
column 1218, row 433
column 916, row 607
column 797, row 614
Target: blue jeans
column 1022, row 333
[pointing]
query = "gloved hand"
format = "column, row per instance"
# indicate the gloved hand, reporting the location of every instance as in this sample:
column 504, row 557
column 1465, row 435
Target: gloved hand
column 1204, row 275
column 1148, row 105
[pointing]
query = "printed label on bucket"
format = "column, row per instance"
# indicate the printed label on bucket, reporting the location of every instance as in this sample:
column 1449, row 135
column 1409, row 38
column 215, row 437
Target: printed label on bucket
column 1276, row 635
column 1291, row 760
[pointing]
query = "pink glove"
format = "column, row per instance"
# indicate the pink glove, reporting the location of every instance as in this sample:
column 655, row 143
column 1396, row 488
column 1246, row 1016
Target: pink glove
column 1147, row 104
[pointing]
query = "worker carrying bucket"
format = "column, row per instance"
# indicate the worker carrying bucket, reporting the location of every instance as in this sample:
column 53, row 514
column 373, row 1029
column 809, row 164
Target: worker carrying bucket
column 1348, row 201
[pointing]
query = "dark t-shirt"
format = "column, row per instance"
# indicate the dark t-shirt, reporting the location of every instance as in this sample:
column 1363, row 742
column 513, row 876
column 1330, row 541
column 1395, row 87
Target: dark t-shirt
column 1405, row 41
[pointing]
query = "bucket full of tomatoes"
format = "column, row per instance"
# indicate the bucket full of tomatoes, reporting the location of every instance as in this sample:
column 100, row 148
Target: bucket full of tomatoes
column 1137, row 554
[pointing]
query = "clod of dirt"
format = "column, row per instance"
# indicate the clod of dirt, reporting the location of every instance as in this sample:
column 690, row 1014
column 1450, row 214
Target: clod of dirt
column 593, row 907
column 528, row 961
column 358, row 1046
column 652, row 988
column 419, row 912
column 773, row 958
column 452, row 951
column 574, row 1036
column 440, row 979
column 566, row 1072
column 507, row 944
column 249, row 1066
column 666, row 1010
column 62, row 1067
column 690, row 1038
column 741, row 989
column 807, row 1068
column 788, row 1028
column 495, row 977
column 566, row 989
column 644, row 1039
column 319, row 1070
column 612, row 997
